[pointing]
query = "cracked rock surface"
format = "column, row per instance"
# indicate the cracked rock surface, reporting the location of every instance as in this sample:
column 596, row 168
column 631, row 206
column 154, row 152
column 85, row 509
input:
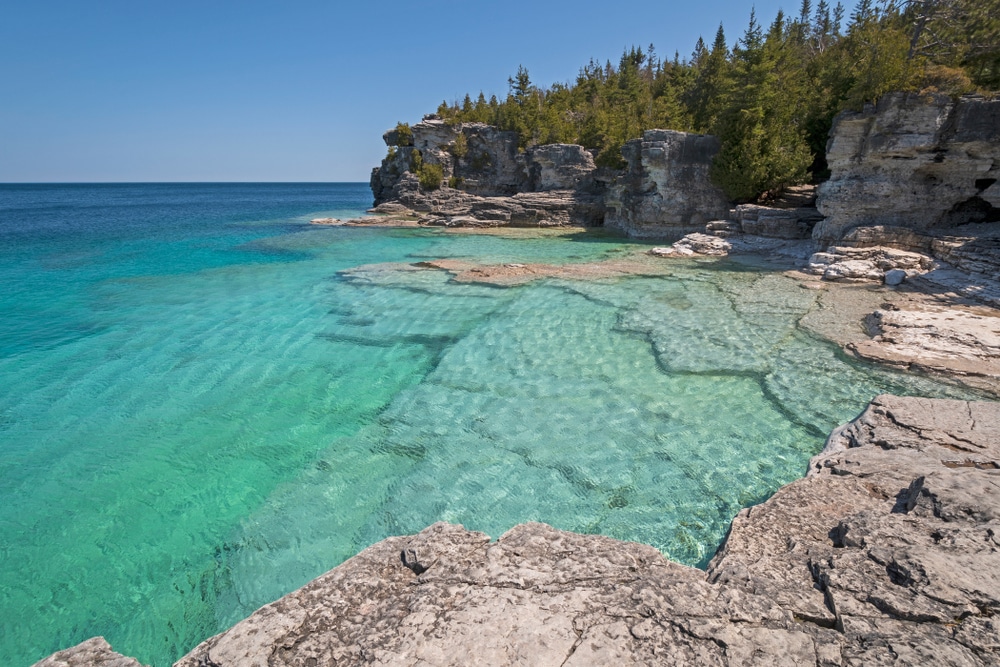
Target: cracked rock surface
column 887, row 553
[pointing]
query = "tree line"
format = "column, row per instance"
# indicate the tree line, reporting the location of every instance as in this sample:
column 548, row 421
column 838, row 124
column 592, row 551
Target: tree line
column 771, row 98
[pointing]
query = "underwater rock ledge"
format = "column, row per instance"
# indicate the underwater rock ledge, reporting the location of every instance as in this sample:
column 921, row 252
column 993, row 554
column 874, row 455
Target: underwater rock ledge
column 887, row 552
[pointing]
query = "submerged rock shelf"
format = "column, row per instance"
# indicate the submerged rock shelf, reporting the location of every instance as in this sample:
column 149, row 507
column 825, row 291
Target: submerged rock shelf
column 887, row 552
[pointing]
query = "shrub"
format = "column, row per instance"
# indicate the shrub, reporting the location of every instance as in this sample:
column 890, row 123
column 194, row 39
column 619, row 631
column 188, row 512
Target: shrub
column 947, row 80
column 460, row 147
column 430, row 176
column 481, row 161
column 391, row 154
column 455, row 182
column 404, row 135
column 416, row 160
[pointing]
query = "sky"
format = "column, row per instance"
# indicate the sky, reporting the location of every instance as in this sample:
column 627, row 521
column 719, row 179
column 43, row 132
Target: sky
column 211, row 90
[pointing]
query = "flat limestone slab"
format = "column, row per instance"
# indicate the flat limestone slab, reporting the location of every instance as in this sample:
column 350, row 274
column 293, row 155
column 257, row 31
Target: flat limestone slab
column 886, row 553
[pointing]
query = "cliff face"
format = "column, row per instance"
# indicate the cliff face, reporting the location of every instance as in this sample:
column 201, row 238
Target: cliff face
column 665, row 191
column 487, row 181
column 916, row 166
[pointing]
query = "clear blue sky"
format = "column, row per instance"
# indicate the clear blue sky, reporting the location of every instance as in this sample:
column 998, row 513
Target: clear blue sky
column 209, row 90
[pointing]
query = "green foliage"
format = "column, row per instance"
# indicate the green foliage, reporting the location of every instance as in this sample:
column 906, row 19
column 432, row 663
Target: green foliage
column 430, row 175
column 416, row 161
column 455, row 182
column 404, row 135
column 480, row 161
column 460, row 147
column 391, row 153
column 771, row 99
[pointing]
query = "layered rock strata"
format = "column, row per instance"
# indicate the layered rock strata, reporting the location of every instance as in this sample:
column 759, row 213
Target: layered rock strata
column 960, row 343
column 665, row 191
column 888, row 552
column 486, row 181
column 920, row 163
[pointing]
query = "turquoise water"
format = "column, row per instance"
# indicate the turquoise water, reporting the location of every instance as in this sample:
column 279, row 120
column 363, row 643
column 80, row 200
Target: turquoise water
column 206, row 401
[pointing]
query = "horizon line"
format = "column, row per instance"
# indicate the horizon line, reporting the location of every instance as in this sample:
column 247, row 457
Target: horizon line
column 183, row 182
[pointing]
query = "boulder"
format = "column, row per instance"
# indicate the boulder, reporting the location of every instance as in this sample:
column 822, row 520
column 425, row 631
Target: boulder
column 895, row 277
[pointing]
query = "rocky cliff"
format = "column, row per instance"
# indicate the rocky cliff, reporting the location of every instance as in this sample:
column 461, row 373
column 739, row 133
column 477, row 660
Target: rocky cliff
column 916, row 167
column 486, row 181
column 665, row 191
column 888, row 552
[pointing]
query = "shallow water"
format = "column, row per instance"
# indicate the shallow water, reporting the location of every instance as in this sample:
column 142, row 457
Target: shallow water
column 206, row 402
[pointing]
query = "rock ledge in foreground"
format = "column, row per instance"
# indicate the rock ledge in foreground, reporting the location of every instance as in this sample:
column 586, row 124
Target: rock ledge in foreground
column 888, row 552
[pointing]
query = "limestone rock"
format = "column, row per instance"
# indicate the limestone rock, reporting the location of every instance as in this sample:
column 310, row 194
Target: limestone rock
column 959, row 342
column 895, row 277
column 869, row 264
column 920, row 162
column 559, row 167
column 779, row 223
column 665, row 191
column 695, row 244
column 887, row 552
column 95, row 652
column 489, row 183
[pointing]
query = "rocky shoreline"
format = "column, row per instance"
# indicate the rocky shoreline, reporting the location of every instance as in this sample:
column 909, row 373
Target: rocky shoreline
column 887, row 552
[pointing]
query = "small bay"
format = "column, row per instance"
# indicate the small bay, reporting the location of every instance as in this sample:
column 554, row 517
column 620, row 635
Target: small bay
column 206, row 401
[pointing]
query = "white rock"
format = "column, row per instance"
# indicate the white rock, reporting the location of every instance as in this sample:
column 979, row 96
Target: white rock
column 895, row 277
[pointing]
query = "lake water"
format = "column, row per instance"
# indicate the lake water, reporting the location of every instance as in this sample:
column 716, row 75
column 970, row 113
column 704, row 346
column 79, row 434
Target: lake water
column 205, row 402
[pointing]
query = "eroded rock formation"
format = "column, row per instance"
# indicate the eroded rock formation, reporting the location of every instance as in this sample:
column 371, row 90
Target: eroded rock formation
column 665, row 191
column 921, row 163
column 888, row 552
column 486, row 181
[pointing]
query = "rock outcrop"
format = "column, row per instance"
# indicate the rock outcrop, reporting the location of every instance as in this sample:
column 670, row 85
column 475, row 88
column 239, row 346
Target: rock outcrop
column 486, row 181
column 95, row 652
column 887, row 552
column 665, row 191
column 957, row 342
column 922, row 163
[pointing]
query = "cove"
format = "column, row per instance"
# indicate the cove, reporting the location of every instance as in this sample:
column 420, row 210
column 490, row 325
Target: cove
column 208, row 402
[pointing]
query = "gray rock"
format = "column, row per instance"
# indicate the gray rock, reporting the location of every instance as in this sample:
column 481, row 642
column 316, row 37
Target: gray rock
column 695, row 244
column 665, row 191
column 778, row 223
column 887, row 552
column 961, row 342
column 895, row 277
column 95, row 652
column 919, row 162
